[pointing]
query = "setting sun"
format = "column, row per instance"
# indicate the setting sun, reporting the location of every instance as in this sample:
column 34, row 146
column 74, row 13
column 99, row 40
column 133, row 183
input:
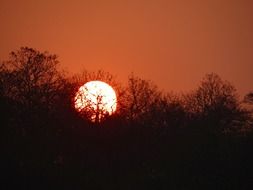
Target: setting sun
column 96, row 99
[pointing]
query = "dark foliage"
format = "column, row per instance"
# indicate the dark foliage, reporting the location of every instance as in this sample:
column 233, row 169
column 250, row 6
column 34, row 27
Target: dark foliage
column 249, row 98
column 200, row 140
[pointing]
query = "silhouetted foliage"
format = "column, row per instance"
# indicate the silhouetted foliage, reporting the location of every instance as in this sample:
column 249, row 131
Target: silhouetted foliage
column 170, row 112
column 35, row 91
column 142, row 96
column 216, row 106
column 31, row 78
column 155, row 140
column 249, row 98
column 84, row 77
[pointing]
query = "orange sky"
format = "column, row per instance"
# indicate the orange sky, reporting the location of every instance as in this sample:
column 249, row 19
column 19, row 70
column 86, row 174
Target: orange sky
column 172, row 42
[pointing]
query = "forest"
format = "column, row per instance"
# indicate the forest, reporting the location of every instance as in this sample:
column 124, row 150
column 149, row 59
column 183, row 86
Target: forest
column 202, row 139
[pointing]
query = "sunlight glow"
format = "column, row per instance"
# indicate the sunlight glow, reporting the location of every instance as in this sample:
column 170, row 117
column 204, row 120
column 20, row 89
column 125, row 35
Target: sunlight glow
column 96, row 99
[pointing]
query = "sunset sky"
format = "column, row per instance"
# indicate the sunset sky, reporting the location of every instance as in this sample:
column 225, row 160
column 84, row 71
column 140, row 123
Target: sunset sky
column 171, row 42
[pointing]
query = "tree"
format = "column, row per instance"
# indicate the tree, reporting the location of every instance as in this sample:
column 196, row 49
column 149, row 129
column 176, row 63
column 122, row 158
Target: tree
column 31, row 82
column 31, row 78
column 215, row 104
column 249, row 98
column 141, row 96
column 96, row 110
column 170, row 112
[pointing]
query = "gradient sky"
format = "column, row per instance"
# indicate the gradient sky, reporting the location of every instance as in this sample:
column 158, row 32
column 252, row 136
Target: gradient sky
column 171, row 42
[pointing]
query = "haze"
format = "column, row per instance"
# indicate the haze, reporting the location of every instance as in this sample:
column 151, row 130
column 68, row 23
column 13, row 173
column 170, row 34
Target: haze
column 173, row 43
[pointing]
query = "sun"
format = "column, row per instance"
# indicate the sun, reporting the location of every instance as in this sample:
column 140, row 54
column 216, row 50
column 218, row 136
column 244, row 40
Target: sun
column 96, row 99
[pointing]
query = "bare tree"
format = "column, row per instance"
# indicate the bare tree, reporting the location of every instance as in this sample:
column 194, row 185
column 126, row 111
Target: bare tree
column 141, row 97
column 216, row 103
column 31, row 78
column 97, row 110
column 92, row 105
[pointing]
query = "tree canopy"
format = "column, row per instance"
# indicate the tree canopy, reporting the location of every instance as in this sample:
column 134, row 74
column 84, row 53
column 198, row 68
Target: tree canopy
column 31, row 78
column 154, row 139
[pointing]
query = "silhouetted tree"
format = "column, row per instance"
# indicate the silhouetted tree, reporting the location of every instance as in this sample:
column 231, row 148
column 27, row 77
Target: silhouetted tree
column 32, row 78
column 92, row 105
column 142, row 97
column 249, row 98
column 215, row 103
column 170, row 112
column 90, row 109
column 138, row 141
column 31, row 81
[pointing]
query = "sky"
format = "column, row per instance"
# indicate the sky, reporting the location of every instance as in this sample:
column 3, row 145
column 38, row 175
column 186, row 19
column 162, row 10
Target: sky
column 174, row 43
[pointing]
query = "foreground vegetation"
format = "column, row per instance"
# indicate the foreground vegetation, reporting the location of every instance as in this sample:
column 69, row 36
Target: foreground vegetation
column 155, row 140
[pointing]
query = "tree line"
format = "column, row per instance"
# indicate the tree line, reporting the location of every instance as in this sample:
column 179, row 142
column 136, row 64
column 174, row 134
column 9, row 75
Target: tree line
column 154, row 139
